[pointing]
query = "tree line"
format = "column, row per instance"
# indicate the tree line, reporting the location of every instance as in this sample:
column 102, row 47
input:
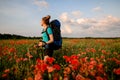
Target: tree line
column 14, row 36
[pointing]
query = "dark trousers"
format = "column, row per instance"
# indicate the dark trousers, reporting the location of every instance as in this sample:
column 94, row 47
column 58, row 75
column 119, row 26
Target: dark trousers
column 49, row 50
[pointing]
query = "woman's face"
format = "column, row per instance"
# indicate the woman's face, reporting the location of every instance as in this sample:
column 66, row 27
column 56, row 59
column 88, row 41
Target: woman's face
column 41, row 22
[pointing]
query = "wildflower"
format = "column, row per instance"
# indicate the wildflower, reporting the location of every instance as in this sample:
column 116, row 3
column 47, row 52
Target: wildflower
column 25, row 59
column 42, row 67
column 103, row 51
column 87, row 50
column 100, row 68
column 117, row 71
column 93, row 62
column 92, row 59
column 7, row 70
column 39, row 61
column 66, row 78
column 50, row 69
column 78, row 55
column 92, row 72
column 17, row 60
column 4, row 75
column 38, row 76
column 84, row 59
column 83, row 53
column 66, row 58
column 99, row 78
column 93, row 50
column 50, row 60
column 67, row 70
column 56, row 66
column 90, row 67
column 29, row 78
column 12, row 50
column 74, row 57
column 102, row 57
column 29, row 55
column 75, row 64
column 79, row 77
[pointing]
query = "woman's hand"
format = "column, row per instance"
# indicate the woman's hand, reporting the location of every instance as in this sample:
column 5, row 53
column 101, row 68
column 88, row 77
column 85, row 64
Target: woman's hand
column 40, row 44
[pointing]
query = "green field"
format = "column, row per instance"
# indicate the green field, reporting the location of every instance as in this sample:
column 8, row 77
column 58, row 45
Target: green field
column 79, row 59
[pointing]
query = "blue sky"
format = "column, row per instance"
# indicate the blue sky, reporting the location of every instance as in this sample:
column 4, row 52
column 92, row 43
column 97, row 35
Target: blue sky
column 79, row 18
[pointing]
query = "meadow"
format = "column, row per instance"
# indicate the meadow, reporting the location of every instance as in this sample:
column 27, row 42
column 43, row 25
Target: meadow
column 78, row 59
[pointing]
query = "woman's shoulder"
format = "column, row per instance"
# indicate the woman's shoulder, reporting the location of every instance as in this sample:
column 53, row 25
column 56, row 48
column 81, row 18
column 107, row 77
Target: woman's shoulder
column 49, row 28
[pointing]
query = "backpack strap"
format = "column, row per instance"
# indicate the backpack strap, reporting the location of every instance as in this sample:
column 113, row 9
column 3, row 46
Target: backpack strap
column 47, row 33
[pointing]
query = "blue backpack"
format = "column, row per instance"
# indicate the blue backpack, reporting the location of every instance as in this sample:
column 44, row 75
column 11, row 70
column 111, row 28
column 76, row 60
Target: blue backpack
column 55, row 26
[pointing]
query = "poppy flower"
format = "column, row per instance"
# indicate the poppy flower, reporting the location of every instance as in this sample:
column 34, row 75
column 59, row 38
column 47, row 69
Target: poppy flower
column 50, row 60
column 7, row 70
column 29, row 78
column 56, row 66
column 12, row 50
column 79, row 77
column 4, row 75
column 50, row 69
column 117, row 71
column 66, row 58
column 99, row 78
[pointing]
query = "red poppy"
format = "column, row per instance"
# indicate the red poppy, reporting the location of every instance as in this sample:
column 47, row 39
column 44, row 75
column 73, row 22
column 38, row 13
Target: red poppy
column 117, row 71
column 38, row 76
column 50, row 60
column 12, row 50
column 29, row 55
column 74, row 62
column 93, row 50
column 100, row 68
column 29, row 78
column 56, row 66
column 79, row 77
column 42, row 67
column 66, row 58
column 7, row 70
column 50, row 69
column 74, row 57
column 4, row 75
column 39, row 61
column 93, row 62
column 103, row 51
column 84, row 59
column 99, row 78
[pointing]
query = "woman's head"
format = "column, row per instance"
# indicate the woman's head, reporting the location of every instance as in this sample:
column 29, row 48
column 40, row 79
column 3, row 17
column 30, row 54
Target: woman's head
column 45, row 20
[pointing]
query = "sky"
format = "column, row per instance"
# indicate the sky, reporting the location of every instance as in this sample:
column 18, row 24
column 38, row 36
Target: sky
column 79, row 18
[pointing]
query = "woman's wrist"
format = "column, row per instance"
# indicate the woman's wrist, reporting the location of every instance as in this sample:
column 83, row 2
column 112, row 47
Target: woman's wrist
column 44, row 43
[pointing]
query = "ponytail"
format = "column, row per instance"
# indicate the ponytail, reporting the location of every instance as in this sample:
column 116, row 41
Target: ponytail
column 46, row 19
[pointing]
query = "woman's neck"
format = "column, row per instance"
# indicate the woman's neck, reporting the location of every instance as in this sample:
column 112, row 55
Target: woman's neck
column 45, row 26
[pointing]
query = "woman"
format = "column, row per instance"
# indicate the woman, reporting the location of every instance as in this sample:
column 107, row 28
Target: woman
column 47, row 37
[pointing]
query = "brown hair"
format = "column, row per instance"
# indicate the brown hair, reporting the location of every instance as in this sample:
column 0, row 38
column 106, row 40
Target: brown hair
column 46, row 19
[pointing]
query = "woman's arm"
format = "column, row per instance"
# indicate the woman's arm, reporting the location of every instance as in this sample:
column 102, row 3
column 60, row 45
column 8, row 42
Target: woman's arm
column 51, row 39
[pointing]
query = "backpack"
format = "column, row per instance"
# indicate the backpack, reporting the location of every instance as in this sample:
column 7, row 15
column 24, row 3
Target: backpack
column 55, row 26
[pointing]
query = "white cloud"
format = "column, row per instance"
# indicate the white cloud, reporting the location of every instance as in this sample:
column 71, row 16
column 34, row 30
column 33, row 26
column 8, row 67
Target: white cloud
column 41, row 4
column 76, row 13
column 97, row 9
column 68, row 29
column 64, row 17
column 105, row 26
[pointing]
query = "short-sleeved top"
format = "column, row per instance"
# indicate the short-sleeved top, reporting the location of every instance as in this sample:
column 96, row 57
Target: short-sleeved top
column 45, row 37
